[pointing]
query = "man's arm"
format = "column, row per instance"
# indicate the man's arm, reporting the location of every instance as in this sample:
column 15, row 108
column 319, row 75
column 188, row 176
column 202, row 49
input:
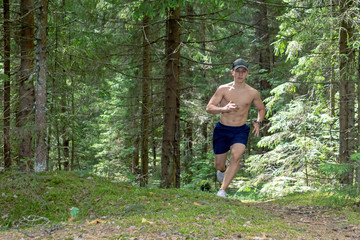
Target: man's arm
column 258, row 103
column 213, row 108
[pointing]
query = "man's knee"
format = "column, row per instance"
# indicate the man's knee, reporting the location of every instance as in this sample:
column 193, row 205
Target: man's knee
column 237, row 150
column 236, row 155
column 219, row 166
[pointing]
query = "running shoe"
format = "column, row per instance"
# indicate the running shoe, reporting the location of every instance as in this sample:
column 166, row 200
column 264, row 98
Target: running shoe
column 221, row 193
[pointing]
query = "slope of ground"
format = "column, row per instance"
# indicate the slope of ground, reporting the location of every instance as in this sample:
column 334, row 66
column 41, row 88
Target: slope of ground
column 70, row 206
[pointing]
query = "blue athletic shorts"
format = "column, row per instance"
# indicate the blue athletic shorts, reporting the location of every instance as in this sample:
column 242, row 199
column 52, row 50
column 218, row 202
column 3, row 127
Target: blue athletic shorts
column 225, row 136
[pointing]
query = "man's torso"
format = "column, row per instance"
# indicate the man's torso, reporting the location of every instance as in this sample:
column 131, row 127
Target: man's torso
column 242, row 97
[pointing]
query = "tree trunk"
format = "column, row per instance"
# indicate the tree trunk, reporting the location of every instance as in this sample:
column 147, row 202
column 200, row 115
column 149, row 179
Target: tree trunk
column 40, row 88
column 189, row 153
column 206, row 97
column 332, row 70
column 177, row 164
column 262, row 49
column 135, row 157
column 145, row 114
column 263, row 55
column 58, row 143
column 25, row 118
column 351, row 112
column 72, row 160
column 358, row 96
column 171, row 98
column 64, row 131
column 204, row 131
column 346, row 108
column 7, row 97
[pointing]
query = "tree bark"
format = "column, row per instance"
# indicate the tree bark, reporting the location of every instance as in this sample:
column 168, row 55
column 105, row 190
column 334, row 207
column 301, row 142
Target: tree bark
column 171, row 125
column 189, row 153
column 358, row 98
column 346, row 103
column 263, row 55
column 177, row 163
column 135, row 157
column 262, row 49
column 7, row 86
column 206, row 97
column 40, row 88
column 204, row 131
column 72, row 160
column 25, row 116
column 145, row 114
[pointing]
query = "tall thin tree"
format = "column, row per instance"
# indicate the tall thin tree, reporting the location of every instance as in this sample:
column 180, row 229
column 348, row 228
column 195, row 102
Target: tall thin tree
column 262, row 49
column 358, row 122
column 40, row 87
column 145, row 116
column 171, row 125
column 25, row 116
column 7, row 97
column 346, row 90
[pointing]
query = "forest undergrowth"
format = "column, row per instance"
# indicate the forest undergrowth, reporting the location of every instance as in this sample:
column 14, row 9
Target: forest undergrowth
column 69, row 205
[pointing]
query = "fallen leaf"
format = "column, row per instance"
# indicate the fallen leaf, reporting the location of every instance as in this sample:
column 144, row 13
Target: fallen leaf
column 96, row 221
column 70, row 219
column 264, row 237
column 197, row 204
column 146, row 221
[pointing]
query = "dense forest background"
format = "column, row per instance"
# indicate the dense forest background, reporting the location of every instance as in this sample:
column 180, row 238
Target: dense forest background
column 119, row 88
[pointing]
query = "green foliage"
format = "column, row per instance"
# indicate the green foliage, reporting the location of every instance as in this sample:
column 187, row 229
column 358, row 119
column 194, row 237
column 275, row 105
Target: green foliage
column 95, row 64
column 280, row 95
column 334, row 169
column 300, row 145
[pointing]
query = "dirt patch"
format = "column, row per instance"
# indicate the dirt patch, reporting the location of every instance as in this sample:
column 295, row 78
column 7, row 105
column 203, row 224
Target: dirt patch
column 314, row 222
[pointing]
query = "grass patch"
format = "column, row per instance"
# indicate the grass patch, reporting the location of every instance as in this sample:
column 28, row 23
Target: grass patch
column 37, row 198
column 333, row 200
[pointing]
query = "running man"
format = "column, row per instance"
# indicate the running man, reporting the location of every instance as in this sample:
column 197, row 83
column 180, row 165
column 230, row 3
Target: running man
column 233, row 101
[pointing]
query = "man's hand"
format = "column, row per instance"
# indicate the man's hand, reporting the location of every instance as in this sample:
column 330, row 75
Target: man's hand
column 230, row 107
column 256, row 129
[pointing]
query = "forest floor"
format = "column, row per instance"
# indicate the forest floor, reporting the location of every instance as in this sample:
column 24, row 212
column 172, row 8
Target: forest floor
column 308, row 222
column 140, row 213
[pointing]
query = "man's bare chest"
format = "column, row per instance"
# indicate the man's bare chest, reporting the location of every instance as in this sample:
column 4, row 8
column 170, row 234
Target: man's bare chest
column 240, row 98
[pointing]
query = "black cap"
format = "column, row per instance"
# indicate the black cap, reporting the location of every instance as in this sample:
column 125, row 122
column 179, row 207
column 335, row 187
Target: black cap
column 240, row 63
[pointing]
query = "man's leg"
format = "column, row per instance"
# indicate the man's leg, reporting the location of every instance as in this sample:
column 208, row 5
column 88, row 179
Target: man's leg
column 220, row 161
column 220, row 165
column 237, row 151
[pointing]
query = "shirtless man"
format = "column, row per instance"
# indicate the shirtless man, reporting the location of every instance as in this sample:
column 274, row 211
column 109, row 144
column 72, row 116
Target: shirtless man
column 233, row 101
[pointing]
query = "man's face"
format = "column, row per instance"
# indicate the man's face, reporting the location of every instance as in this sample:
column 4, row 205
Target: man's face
column 240, row 74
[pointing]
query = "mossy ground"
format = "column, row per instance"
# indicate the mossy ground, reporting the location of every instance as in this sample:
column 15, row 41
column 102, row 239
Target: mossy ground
column 39, row 205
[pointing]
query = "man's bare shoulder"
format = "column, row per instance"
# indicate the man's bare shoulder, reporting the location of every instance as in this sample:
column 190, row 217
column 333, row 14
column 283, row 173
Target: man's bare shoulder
column 252, row 90
column 226, row 86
